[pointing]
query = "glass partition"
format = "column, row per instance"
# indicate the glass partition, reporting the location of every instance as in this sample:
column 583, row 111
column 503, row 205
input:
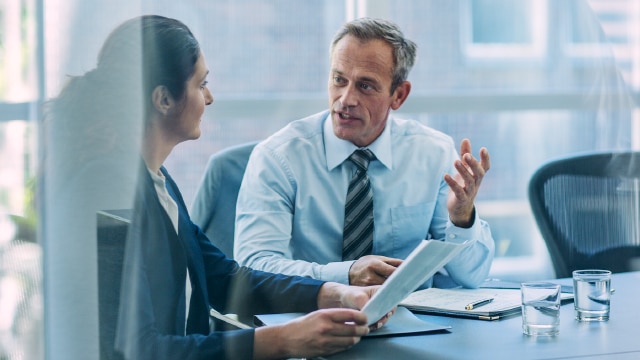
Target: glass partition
column 530, row 80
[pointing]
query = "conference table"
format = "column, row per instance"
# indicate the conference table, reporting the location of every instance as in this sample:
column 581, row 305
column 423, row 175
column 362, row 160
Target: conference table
column 618, row 338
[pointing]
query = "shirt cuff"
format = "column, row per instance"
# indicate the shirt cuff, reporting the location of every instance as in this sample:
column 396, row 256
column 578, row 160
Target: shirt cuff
column 459, row 235
column 337, row 272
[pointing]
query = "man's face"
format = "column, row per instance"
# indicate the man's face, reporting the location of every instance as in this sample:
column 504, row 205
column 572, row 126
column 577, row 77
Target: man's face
column 360, row 95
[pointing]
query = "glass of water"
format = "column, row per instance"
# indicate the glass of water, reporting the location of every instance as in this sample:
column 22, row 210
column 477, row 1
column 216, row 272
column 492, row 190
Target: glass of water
column 540, row 308
column 592, row 294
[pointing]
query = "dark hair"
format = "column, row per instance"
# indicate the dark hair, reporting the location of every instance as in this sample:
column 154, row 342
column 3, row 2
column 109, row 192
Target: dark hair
column 163, row 50
column 102, row 112
column 404, row 50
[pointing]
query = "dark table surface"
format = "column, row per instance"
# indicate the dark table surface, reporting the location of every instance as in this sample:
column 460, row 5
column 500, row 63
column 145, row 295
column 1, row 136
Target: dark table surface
column 618, row 338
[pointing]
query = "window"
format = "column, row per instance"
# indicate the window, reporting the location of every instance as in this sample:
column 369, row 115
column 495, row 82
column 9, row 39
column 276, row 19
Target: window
column 20, row 255
column 500, row 29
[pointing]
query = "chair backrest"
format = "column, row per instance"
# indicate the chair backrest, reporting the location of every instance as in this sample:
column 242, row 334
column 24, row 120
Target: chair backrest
column 112, row 236
column 587, row 207
column 214, row 206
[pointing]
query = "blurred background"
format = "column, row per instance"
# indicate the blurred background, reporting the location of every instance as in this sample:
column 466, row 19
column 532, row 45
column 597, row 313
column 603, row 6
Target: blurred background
column 531, row 80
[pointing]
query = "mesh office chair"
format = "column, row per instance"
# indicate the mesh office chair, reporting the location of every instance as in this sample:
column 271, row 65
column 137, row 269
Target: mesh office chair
column 587, row 208
column 214, row 206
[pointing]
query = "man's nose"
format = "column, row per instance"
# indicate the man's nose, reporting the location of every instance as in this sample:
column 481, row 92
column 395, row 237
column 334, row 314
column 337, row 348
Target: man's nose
column 349, row 97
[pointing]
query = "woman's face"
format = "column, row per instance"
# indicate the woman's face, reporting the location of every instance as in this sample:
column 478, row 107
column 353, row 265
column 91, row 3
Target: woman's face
column 189, row 109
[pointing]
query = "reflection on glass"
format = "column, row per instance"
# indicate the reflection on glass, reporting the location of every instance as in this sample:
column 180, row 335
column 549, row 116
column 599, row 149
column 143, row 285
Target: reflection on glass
column 565, row 94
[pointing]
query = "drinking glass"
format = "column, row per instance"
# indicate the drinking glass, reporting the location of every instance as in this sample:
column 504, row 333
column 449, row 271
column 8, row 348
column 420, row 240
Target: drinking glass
column 592, row 294
column 540, row 308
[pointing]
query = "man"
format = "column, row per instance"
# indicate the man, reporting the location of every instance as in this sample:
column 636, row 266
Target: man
column 291, row 215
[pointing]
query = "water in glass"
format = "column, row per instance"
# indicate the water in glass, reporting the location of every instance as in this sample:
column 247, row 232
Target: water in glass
column 592, row 299
column 540, row 317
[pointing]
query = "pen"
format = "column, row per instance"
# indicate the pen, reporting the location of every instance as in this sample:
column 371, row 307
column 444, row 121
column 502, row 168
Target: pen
column 478, row 303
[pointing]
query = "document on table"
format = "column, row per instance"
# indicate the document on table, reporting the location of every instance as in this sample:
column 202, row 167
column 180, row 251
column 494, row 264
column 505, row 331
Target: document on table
column 424, row 261
column 403, row 322
column 454, row 302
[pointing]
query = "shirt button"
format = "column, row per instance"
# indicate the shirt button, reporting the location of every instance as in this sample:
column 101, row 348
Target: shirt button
column 452, row 236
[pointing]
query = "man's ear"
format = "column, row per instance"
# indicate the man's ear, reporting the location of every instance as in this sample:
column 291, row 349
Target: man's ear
column 400, row 94
column 162, row 99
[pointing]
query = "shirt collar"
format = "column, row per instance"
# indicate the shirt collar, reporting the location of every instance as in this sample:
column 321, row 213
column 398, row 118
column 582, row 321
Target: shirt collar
column 157, row 177
column 338, row 150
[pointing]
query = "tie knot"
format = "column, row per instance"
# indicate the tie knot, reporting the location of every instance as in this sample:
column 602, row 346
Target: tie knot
column 361, row 158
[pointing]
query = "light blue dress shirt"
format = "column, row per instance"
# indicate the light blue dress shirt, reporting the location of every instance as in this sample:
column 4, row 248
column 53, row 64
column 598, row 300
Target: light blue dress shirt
column 290, row 210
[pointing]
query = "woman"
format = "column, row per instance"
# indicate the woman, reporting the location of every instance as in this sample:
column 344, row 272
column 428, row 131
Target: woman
column 172, row 273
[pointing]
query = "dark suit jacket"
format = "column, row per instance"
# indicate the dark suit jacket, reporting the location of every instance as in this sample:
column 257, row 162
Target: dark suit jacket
column 151, row 322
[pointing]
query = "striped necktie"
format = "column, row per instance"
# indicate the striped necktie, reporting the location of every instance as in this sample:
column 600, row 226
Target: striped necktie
column 358, row 212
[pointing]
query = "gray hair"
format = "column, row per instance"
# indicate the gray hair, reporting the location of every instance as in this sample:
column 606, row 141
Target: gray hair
column 404, row 50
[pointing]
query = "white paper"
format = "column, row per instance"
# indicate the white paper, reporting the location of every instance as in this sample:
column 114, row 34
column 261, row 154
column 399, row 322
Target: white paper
column 423, row 262
column 455, row 300
column 240, row 325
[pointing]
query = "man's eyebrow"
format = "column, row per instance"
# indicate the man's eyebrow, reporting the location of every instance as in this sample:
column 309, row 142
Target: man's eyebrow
column 368, row 79
column 365, row 78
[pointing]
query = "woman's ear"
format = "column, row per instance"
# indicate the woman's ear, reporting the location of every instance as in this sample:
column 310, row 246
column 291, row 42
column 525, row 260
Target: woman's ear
column 162, row 99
